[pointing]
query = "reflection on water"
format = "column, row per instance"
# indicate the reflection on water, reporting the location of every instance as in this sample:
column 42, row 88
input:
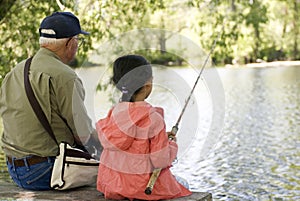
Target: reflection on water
column 257, row 156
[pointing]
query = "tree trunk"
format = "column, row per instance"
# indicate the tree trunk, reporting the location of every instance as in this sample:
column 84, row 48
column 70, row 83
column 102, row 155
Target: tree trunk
column 5, row 6
column 233, row 6
column 296, row 29
column 257, row 42
column 162, row 37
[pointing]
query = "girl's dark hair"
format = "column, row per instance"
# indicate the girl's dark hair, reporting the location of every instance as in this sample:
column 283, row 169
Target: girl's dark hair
column 130, row 73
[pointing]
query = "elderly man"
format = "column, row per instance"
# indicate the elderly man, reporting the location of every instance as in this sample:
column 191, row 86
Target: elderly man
column 30, row 150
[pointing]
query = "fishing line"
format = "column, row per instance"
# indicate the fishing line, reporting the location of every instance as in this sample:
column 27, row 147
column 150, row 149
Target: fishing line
column 174, row 130
column 175, row 127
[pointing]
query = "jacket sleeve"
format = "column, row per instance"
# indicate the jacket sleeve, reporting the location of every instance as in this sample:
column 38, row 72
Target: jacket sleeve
column 162, row 151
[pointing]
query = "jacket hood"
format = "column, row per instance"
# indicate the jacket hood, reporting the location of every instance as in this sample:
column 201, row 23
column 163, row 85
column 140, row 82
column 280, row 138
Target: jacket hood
column 129, row 121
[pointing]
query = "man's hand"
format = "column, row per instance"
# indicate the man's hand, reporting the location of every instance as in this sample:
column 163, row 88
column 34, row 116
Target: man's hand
column 94, row 146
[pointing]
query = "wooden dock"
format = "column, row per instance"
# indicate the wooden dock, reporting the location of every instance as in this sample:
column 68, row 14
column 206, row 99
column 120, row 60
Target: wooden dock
column 9, row 191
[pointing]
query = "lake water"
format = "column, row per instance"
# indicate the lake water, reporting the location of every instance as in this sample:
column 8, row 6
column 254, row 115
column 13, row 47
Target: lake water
column 243, row 146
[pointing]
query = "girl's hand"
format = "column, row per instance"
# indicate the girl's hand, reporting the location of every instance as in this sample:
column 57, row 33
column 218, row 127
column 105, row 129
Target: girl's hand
column 172, row 136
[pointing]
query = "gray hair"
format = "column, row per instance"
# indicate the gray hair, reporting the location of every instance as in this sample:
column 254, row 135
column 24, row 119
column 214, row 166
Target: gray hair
column 50, row 41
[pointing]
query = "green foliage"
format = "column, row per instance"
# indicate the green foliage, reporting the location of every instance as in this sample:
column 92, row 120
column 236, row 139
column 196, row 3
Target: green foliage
column 161, row 57
column 19, row 30
column 272, row 54
column 252, row 30
column 20, row 20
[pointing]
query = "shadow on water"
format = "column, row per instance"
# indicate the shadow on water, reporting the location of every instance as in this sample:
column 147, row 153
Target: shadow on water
column 257, row 156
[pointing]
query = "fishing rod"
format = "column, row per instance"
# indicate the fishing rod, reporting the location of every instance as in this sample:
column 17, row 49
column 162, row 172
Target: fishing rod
column 174, row 130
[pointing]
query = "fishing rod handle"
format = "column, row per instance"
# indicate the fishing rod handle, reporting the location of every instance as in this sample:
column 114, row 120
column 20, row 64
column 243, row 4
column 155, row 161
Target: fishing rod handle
column 152, row 180
column 174, row 130
column 157, row 171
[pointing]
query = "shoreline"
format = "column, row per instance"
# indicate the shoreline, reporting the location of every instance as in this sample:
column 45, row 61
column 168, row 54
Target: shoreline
column 264, row 64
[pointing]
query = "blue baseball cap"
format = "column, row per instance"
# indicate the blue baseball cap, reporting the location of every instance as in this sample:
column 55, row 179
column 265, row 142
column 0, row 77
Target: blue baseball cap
column 60, row 25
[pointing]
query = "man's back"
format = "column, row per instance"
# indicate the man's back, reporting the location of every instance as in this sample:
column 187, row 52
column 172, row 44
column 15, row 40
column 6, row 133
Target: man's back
column 29, row 149
column 52, row 82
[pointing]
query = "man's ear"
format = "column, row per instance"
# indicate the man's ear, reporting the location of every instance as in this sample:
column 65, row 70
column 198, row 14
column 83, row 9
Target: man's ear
column 147, row 84
column 69, row 45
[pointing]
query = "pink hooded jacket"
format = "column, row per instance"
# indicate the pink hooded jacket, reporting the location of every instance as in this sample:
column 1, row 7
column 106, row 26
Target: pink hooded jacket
column 135, row 142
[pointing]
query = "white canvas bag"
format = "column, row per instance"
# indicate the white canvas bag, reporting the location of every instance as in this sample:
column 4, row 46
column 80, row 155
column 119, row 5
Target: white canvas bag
column 73, row 168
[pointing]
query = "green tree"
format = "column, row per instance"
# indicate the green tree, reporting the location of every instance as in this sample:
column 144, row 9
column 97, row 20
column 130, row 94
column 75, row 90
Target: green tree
column 19, row 29
column 217, row 17
column 256, row 16
column 296, row 28
column 5, row 6
column 253, row 29
column 281, row 33
column 20, row 20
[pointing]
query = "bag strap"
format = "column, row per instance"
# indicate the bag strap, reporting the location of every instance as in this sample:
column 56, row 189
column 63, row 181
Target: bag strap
column 34, row 102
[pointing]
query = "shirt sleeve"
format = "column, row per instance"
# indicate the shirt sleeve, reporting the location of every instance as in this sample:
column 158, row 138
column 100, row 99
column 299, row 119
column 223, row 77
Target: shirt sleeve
column 74, row 111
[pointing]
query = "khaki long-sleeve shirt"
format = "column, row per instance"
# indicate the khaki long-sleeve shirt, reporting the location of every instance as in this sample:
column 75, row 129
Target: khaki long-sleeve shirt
column 61, row 96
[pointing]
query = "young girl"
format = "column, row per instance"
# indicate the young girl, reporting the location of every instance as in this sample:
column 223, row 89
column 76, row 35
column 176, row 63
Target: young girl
column 134, row 139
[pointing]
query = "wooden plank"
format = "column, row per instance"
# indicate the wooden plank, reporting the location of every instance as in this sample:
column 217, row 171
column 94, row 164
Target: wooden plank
column 9, row 191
